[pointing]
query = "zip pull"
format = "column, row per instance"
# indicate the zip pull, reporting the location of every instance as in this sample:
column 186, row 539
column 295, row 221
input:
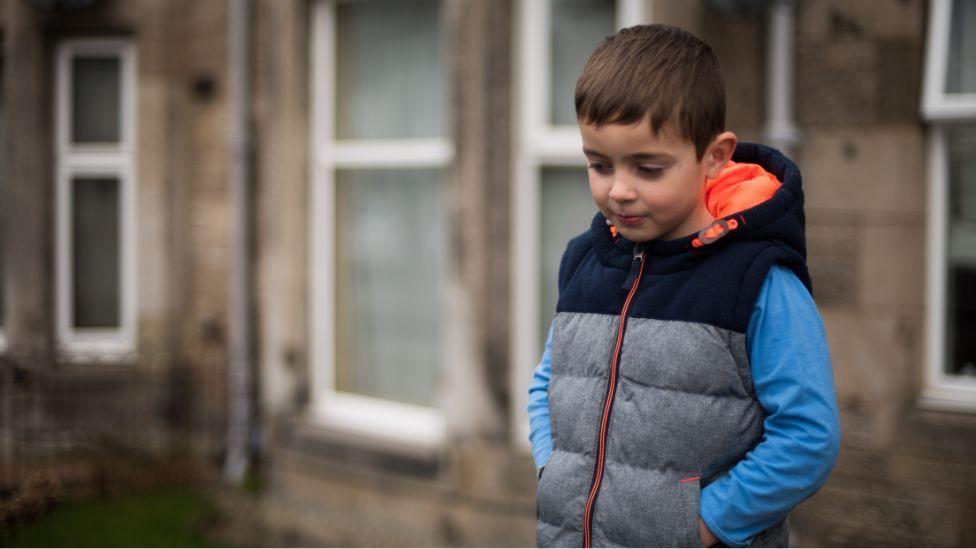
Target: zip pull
column 635, row 266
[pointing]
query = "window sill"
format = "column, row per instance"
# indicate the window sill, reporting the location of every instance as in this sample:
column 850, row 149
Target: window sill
column 93, row 359
column 316, row 433
column 101, row 347
column 948, row 398
column 107, row 361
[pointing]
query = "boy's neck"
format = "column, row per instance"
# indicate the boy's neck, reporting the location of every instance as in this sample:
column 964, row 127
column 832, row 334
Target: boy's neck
column 695, row 222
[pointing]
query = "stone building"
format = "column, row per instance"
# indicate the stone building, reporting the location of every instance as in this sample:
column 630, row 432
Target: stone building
column 320, row 236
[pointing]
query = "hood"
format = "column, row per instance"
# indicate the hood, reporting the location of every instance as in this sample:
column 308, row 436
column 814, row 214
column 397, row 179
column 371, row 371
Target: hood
column 757, row 196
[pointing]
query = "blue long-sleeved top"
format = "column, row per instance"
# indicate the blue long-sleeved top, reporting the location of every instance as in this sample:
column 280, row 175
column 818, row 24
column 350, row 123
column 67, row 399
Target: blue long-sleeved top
column 794, row 382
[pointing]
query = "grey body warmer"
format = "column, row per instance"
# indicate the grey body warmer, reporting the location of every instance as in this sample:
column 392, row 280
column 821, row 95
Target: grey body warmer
column 650, row 394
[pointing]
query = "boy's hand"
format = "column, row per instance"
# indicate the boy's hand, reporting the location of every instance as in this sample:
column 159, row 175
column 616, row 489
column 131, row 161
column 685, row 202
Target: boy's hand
column 708, row 539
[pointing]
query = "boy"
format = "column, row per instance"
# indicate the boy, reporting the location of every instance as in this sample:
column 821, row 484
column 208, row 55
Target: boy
column 685, row 396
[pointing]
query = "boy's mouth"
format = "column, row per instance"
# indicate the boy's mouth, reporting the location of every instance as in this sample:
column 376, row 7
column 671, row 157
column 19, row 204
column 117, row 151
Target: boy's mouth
column 630, row 219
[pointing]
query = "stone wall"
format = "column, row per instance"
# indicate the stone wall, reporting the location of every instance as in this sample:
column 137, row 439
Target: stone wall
column 904, row 473
column 904, row 476
column 172, row 385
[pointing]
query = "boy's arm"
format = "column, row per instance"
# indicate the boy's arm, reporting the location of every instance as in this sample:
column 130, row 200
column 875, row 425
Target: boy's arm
column 540, row 435
column 793, row 379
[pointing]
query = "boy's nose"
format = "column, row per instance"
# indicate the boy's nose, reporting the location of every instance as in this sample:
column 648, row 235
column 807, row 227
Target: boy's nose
column 621, row 189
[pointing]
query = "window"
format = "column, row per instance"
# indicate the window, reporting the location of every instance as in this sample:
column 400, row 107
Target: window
column 552, row 202
column 379, row 155
column 949, row 103
column 95, row 197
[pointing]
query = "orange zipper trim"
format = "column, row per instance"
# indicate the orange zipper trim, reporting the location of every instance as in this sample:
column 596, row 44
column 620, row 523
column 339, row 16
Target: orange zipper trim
column 611, row 388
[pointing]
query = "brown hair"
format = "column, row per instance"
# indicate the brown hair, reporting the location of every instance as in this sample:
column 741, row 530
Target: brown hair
column 657, row 70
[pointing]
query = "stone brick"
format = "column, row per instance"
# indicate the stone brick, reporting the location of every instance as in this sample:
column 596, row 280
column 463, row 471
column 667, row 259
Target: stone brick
column 839, row 517
column 865, row 169
column 892, row 268
column 832, row 258
column 870, row 366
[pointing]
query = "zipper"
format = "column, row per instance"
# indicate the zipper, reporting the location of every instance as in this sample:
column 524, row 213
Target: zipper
column 630, row 284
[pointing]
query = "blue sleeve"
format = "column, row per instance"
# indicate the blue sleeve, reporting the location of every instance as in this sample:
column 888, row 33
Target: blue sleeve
column 539, row 434
column 794, row 382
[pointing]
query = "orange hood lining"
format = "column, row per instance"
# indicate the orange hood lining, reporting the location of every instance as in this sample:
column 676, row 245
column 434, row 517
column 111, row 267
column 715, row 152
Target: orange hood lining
column 738, row 187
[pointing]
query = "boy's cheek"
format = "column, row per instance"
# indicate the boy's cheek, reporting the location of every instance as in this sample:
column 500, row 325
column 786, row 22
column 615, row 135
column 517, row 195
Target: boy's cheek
column 599, row 197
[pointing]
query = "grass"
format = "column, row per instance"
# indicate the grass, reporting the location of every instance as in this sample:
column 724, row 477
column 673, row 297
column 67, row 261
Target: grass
column 171, row 517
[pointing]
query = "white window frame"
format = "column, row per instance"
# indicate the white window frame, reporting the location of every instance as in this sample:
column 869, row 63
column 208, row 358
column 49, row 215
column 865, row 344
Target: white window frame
column 6, row 317
column 407, row 425
column 537, row 144
column 937, row 105
column 115, row 160
column 941, row 390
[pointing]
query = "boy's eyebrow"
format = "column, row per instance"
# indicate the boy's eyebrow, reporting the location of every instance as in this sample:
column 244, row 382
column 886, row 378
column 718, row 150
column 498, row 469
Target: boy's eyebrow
column 635, row 156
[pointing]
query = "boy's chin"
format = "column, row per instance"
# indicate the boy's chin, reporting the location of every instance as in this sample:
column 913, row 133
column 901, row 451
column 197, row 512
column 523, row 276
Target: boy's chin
column 639, row 234
column 649, row 231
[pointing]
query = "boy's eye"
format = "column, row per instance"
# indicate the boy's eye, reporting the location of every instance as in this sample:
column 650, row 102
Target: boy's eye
column 649, row 170
column 599, row 167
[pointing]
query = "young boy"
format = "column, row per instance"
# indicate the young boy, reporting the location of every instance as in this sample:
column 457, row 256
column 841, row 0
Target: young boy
column 685, row 396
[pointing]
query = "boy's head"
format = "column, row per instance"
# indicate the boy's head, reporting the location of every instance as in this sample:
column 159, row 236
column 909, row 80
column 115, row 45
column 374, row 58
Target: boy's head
column 651, row 109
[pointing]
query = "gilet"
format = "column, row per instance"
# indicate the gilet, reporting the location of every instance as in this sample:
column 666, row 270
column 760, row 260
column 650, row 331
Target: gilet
column 650, row 395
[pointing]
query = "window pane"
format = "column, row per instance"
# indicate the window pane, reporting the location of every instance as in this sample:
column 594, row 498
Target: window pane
column 95, row 99
column 961, row 72
column 95, row 252
column 577, row 28
column 389, row 75
column 961, row 298
column 388, row 317
column 567, row 209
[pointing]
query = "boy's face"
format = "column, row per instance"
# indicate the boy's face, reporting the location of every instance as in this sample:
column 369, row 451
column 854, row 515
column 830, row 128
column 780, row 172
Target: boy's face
column 651, row 187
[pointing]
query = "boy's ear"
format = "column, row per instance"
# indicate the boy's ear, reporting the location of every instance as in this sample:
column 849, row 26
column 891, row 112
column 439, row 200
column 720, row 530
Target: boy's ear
column 719, row 152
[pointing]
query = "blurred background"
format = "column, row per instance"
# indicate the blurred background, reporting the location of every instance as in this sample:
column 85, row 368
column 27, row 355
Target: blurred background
column 277, row 272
